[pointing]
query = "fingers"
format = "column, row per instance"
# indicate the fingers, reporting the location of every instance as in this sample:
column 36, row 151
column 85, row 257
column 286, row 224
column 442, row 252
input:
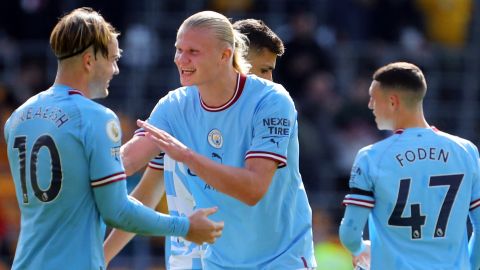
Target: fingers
column 209, row 211
column 218, row 225
column 217, row 234
column 147, row 126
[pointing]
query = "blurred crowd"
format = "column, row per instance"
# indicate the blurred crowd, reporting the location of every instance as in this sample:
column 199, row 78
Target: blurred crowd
column 332, row 48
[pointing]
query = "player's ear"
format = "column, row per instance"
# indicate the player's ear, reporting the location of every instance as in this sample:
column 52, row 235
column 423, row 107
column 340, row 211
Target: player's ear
column 227, row 53
column 87, row 60
column 394, row 101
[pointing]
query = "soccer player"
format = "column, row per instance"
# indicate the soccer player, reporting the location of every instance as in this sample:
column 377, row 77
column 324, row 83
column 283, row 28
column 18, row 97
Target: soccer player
column 234, row 139
column 416, row 188
column 63, row 150
column 263, row 46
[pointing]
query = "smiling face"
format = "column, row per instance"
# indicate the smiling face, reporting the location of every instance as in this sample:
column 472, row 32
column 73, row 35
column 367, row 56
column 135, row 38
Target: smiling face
column 263, row 63
column 104, row 70
column 198, row 55
column 380, row 104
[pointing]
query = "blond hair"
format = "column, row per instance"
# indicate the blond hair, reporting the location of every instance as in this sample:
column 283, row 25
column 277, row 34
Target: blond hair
column 224, row 31
column 80, row 29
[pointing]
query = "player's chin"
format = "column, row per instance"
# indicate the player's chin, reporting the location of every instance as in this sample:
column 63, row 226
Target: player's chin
column 185, row 82
column 103, row 93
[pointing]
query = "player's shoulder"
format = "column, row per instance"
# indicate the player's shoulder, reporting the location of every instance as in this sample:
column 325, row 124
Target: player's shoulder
column 92, row 107
column 267, row 91
column 462, row 143
column 33, row 100
column 90, row 110
column 179, row 95
column 259, row 84
column 378, row 147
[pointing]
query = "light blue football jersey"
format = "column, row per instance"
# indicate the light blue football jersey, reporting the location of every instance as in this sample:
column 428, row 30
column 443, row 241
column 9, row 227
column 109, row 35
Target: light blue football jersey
column 48, row 140
column 64, row 157
column 259, row 121
column 421, row 185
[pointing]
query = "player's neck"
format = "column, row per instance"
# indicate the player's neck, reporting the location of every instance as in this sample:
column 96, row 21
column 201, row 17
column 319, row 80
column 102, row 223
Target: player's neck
column 220, row 90
column 412, row 122
column 72, row 79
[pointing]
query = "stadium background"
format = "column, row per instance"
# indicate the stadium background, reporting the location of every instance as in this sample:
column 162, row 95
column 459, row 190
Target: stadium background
column 332, row 48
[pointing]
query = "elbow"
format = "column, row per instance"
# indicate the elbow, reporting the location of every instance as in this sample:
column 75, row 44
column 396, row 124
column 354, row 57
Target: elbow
column 112, row 216
column 254, row 197
column 110, row 220
column 251, row 201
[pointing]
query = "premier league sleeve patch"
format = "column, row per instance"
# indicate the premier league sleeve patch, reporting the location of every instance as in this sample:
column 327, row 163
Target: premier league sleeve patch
column 113, row 131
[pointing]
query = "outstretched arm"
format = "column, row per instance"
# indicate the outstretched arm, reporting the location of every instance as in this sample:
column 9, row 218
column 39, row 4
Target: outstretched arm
column 119, row 211
column 248, row 184
column 149, row 191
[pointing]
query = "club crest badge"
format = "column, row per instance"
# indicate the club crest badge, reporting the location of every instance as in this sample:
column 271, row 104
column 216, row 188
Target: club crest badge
column 113, row 131
column 215, row 138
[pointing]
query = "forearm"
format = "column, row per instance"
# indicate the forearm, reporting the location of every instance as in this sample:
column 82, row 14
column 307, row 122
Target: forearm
column 120, row 212
column 244, row 184
column 136, row 154
column 149, row 191
column 115, row 242
column 351, row 228
column 474, row 244
column 151, row 188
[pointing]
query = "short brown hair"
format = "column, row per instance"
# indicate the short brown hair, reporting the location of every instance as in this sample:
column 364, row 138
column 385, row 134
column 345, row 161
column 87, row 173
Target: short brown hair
column 80, row 29
column 260, row 35
column 402, row 76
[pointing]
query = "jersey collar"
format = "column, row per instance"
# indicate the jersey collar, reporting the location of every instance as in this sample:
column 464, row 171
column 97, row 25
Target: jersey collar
column 401, row 130
column 241, row 79
column 67, row 89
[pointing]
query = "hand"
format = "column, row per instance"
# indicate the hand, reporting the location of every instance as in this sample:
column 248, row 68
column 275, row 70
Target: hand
column 166, row 142
column 203, row 229
column 363, row 259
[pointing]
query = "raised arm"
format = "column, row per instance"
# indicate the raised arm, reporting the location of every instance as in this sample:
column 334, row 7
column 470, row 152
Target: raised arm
column 149, row 191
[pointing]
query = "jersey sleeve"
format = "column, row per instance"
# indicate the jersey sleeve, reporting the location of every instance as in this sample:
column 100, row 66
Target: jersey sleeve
column 6, row 128
column 475, row 199
column 102, row 145
column 351, row 228
column 274, row 123
column 360, row 183
column 121, row 211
